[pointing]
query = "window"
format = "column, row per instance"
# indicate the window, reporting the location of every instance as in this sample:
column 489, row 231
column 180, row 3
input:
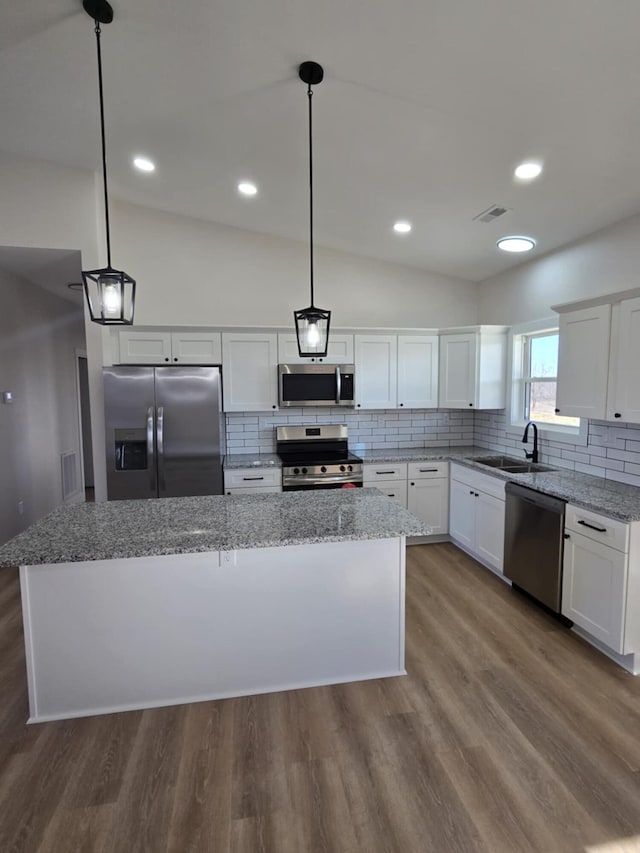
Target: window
column 534, row 374
column 540, row 379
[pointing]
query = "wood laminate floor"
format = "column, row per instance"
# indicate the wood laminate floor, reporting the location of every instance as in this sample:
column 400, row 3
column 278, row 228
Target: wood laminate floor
column 508, row 734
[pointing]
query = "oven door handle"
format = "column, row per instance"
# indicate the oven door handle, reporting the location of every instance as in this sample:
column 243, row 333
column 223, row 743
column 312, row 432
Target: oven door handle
column 338, row 386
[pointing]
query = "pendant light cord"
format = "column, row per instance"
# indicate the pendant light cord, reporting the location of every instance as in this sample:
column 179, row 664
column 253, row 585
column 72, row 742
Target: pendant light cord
column 310, row 96
column 104, row 146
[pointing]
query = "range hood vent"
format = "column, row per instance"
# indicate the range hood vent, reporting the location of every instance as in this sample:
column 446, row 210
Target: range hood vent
column 491, row 213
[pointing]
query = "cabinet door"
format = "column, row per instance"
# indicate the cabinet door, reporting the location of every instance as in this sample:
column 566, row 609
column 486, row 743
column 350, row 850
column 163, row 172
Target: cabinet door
column 396, row 489
column 458, row 368
column 583, row 362
column 418, row 371
column 429, row 500
column 594, row 587
column 196, row 348
column 462, row 515
column 489, row 543
column 145, row 347
column 376, row 371
column 624, row 403
column 339, row 350
column 249, row 372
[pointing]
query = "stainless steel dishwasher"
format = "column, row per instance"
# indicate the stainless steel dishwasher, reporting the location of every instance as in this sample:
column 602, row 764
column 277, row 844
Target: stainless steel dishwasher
column 534, row 543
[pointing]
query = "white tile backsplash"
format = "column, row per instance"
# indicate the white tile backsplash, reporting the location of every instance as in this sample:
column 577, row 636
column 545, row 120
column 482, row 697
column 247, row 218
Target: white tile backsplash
column 612, row 451
column 254, row 432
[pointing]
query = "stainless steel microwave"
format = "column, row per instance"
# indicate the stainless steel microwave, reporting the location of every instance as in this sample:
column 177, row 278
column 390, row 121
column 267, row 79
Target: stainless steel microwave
column 316, row 385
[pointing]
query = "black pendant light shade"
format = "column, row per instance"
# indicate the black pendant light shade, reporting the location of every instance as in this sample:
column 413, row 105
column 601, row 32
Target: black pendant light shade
column 110, row 293
column 312, row 324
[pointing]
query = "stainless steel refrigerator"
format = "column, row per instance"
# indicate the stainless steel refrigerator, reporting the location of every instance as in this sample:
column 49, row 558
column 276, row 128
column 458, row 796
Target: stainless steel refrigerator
column 164, row 431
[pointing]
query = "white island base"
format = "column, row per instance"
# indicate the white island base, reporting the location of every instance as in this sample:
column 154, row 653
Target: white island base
column 126, row 634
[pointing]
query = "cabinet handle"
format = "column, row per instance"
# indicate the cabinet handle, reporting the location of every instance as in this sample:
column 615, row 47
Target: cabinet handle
column 566, row 536
column 253, row 478
column 471, row 404
column 401, row 405
column 428, row 470
column 413, row 484
column 471, row 492
column 273, row 407
column 557, row 411
column 175, row 359
column 593, row 527
column 385, row 472
column 476, row 494
column 166, row 359
column 617, row 415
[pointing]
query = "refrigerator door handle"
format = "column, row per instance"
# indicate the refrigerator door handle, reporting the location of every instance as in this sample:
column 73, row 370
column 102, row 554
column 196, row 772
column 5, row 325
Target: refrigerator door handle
column 160, row 442
column 151, row 449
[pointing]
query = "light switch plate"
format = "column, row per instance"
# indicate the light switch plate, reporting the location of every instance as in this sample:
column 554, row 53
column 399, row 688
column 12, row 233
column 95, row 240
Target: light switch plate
column 7, row 396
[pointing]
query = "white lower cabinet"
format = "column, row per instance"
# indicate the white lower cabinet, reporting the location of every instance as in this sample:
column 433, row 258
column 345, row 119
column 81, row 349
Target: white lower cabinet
column 421, row 487
column 476, row 515
column 594, row 584
column 428, row 494
column 390, row 479
column 247, row 481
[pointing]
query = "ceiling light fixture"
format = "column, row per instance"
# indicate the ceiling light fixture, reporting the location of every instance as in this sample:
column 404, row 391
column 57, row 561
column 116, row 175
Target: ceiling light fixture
column 110, row 293
column 527, row 171
column 144, row 164
column 402, row 227
column 312, row 324
column 247, row 188
column 516, row 244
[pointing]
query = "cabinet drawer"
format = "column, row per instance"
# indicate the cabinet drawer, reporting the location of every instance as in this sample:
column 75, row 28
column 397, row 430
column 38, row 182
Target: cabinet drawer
column 424, row 470
column 476, row 480
column 396, row 489
column 242, row 478
column 609, row 531
column 374, row 473
column 254, row 490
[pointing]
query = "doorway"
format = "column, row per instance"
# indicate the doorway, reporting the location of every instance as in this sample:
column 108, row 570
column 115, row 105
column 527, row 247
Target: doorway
column 84, row 415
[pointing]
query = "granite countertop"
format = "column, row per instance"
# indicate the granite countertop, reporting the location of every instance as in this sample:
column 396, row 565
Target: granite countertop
column 251, row 460
column 607, row 497
column 141, row 528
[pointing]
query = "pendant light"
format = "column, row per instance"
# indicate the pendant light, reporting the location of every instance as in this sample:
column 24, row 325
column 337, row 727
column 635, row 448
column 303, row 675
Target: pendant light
column 312, row 324
column 110, row 293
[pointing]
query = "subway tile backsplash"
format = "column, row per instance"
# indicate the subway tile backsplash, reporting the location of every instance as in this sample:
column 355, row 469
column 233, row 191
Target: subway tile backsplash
column 254, row 432
column 612, row 450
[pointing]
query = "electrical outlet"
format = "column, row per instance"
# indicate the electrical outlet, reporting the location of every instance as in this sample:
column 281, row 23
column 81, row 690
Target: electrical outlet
column 20, row 507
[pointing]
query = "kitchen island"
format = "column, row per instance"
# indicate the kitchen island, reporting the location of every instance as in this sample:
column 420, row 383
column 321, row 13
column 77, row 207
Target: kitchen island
column 137, row 604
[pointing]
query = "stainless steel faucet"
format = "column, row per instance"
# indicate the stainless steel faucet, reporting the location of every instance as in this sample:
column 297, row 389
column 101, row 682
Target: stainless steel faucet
column 533, row 456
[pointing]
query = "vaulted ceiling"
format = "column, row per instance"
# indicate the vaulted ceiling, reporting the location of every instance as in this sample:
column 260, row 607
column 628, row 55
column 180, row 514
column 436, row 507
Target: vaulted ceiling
column 426, row 107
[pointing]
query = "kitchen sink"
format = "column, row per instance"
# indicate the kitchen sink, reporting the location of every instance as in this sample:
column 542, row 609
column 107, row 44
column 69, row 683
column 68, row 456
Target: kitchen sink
column 512, row 466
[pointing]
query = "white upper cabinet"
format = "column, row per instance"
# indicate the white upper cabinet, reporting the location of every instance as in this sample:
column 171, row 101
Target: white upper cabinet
column 583, row 362
column 249, row 372
column 339, row 350
column 418, row 371
column 376, row 361
column 145, row 347
column 165, row 347
column 624, row 378
column 472, row 369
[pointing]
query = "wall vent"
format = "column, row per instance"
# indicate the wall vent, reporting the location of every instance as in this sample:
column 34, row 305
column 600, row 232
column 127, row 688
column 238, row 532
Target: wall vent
column 69, row 469
column 491, row 213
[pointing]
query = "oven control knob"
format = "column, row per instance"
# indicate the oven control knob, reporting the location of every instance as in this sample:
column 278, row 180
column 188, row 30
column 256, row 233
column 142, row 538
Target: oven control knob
column 342, row 468
column 296, row 470
column 304, row 470
column 323, row 469
column 350, row 467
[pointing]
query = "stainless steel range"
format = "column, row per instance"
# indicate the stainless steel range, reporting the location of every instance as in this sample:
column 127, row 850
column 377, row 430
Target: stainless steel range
column 317, row 457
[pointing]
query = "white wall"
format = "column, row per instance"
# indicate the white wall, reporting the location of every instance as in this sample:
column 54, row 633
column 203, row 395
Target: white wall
column 39, row 333
column 191, row 272
column 605, row 262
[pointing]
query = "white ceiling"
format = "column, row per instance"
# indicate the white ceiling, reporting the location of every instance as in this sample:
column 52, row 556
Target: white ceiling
column 426, row 107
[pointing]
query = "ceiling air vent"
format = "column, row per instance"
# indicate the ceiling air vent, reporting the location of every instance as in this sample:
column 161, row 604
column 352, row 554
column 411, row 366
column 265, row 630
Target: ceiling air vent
column 491, row 213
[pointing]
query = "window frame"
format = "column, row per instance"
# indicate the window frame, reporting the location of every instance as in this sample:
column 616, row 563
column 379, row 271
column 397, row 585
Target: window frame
column 516, row 379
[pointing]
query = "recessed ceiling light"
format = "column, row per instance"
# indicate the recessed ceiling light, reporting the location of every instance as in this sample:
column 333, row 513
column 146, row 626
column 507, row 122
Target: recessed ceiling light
column 528, row 171
column 247, row 188
column 144, row 164
column 402, row 227
column 516, row 244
